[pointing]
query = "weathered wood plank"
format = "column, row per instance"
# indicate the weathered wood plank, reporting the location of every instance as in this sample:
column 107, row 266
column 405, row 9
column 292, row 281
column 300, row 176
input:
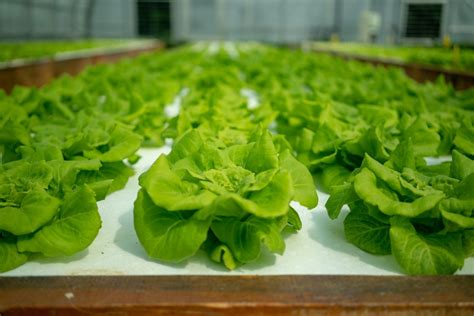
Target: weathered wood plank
column 460, row 80
column 236, row 295
column 40, row 72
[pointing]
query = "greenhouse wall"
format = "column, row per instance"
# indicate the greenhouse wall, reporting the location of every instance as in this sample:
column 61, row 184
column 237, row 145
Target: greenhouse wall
column 39, row 19
column 461, row 21
column 277, row 21
column 283, row 21
column 114, row 18
column 288, row 21
column 457, row 20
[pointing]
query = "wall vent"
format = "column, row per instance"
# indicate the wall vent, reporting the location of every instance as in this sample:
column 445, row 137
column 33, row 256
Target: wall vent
column 423, row 20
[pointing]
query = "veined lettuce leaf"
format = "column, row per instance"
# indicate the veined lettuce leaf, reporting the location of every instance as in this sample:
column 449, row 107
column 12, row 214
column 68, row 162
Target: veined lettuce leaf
column 468, row 242
column 461, row 166
column 340, row 195
column 35, row 209
column 464, row 139
column 420, row 254
column 168, row 236
column 10, row 257
column 366, row 232
column 302, row 182
column 365, row 185
column 244, row 238
column 110, row 177
column 169, row 191
column 75, row 227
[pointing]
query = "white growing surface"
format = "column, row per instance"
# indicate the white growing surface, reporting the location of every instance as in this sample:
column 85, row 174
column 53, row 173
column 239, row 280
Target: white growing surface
column 252, row 98
column 319, row 248
column 171, row 110
column 231, row 49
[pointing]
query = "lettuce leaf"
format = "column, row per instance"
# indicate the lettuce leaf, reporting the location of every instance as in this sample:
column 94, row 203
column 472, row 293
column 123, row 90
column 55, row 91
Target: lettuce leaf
column 72, row 230
column 366, row 187
column 10, row 258
column 425, row 254
column 167, row 236
column 35, row 210
column 244, row 238
column 366, row 232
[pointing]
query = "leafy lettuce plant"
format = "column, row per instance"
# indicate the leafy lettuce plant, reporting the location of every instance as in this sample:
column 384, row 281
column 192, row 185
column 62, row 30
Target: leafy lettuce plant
column 72, row 137
column 86, row 138
column 43, row 211
column 50, row 179
column 421, row 214
column 224, row 184
column 330, row 136
column 228, row 201
column 333, row 112
column 54, row 167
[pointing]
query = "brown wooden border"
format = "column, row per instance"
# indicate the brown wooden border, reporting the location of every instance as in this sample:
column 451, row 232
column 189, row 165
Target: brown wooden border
column 237, row 295
column 460, row 80
column 37, row 73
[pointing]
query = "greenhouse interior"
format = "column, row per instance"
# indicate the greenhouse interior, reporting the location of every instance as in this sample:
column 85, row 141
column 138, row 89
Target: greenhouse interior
column 229, row 157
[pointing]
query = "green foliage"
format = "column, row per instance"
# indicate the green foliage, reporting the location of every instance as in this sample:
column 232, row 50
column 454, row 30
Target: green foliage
column 234, row 167
column 425, row 254
column 366, row 232
column 169, row 236
column 46, row 49
column 62, row 148
column 366, row 134
column 451, row 58
column 11, row 257
column 424, row 220
column 60, row 237
column 227, row 200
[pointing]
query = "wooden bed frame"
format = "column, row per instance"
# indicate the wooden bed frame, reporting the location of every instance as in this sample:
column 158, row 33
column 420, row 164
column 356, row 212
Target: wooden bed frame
column 237, row 295
column 460, row 80
column 37, row 73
